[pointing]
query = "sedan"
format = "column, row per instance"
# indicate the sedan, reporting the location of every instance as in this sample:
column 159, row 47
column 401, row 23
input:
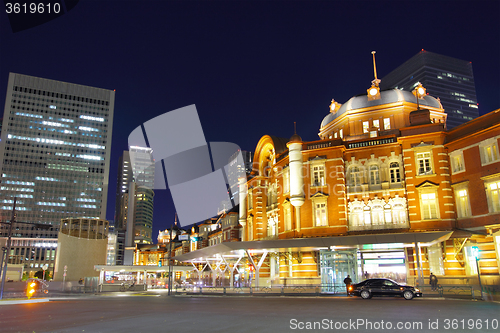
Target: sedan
column 383, row 287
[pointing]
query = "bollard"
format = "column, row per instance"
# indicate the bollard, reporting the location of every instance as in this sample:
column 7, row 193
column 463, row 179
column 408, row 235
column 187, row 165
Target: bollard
column 251, row 291
column 224, row 290
column 282, row 291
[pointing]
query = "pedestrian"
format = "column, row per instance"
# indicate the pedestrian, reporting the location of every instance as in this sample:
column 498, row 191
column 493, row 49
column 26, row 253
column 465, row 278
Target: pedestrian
column 348, row 282
column 433, row 280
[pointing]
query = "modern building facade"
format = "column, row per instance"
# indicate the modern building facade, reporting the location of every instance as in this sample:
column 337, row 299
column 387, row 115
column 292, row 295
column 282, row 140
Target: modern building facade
column 55, row 154
column 387, row 191
column 449, row 79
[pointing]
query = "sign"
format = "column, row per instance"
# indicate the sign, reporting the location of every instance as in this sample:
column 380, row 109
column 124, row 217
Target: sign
column 184, row 237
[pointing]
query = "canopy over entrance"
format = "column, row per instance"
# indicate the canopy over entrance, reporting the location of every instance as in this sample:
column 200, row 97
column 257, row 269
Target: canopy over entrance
column 314, row 244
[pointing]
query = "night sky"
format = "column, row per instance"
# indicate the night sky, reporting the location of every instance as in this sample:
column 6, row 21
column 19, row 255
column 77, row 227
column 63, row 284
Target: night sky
column 251, row 68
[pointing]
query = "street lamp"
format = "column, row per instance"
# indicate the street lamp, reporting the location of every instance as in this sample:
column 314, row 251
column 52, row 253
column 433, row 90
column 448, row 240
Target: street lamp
column 475, row 254
column 170, row 261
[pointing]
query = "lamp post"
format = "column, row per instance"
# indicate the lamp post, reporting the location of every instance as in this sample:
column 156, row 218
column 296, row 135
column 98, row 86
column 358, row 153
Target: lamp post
column 170, row 261
column 475, row 254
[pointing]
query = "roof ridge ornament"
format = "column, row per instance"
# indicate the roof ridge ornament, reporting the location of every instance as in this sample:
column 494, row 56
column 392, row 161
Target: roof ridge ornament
column 334, row 106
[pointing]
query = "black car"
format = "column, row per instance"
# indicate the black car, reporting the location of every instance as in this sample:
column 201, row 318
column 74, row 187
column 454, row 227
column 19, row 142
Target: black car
column 383, row 287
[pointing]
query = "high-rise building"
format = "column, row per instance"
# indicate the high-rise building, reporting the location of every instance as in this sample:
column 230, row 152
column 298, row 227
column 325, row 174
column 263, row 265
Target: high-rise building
column 134, row 200
column 55, row 151
column 449, row 79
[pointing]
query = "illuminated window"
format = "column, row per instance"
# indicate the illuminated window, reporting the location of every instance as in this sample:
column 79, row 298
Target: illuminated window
column 318, row 175
column 366, row 126
column 387, row 123
column 320, row 214
column 424, row 163
column 287, row 216
column 457, row 162
column 377, row 214
column 394, row 172
column 462, row 200
column 335, row 135
column 376, row 123
column 286, row 180
column 341, row 133
column 428, row 206
column 272, row 197
column 493, row 195
column 319, row 205
column 489, row 151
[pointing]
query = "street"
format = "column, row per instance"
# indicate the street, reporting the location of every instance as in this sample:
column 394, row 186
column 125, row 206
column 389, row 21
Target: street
column 135, row 312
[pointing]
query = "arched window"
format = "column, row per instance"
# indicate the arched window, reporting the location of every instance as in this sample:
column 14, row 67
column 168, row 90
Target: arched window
column 394, row 172
column 377, row 215
column 374, row 175
column 356, row 213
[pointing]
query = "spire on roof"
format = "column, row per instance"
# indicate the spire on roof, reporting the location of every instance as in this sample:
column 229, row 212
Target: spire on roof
column 377, row 80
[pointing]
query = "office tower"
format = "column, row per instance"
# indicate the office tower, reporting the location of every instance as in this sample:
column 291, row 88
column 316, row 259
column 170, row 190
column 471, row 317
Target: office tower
column 121, row 203
column 55, row 151
column 134, row 200
column 141, row 196
column 445, row 77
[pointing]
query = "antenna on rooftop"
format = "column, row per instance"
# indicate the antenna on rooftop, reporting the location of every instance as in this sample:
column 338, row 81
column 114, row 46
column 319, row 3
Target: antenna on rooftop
column 294, row 127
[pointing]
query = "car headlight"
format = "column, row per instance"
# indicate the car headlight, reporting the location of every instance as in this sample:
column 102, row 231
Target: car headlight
column 417, row 290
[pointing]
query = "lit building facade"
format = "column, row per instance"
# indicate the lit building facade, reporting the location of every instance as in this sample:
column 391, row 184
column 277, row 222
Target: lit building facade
column 55, row 150
column 387, row 191
column 134, row 202
column 448, row 78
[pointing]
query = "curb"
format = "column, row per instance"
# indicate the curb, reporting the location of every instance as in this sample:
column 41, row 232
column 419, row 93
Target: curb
column 25, row 301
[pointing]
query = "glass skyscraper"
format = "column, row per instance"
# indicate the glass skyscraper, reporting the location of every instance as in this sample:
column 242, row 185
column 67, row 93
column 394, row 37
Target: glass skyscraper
column 55, row 152
column 449, row 79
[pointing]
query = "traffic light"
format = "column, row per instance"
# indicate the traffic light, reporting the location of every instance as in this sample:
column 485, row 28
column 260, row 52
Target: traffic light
column 30, row 291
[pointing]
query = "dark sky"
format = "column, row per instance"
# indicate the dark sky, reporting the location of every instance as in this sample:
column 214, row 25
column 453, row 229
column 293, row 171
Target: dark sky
column 251, row 68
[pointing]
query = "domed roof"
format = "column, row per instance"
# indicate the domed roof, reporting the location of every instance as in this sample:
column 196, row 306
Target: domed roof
column 386, row 97
column 295, row 138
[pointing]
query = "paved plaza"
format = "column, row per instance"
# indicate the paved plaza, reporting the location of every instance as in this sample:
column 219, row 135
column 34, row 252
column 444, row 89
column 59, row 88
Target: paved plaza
column 149, row 312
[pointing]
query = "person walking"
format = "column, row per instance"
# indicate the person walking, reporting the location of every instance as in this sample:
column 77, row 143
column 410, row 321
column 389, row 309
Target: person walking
column 348, row 282
column 433, row 280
